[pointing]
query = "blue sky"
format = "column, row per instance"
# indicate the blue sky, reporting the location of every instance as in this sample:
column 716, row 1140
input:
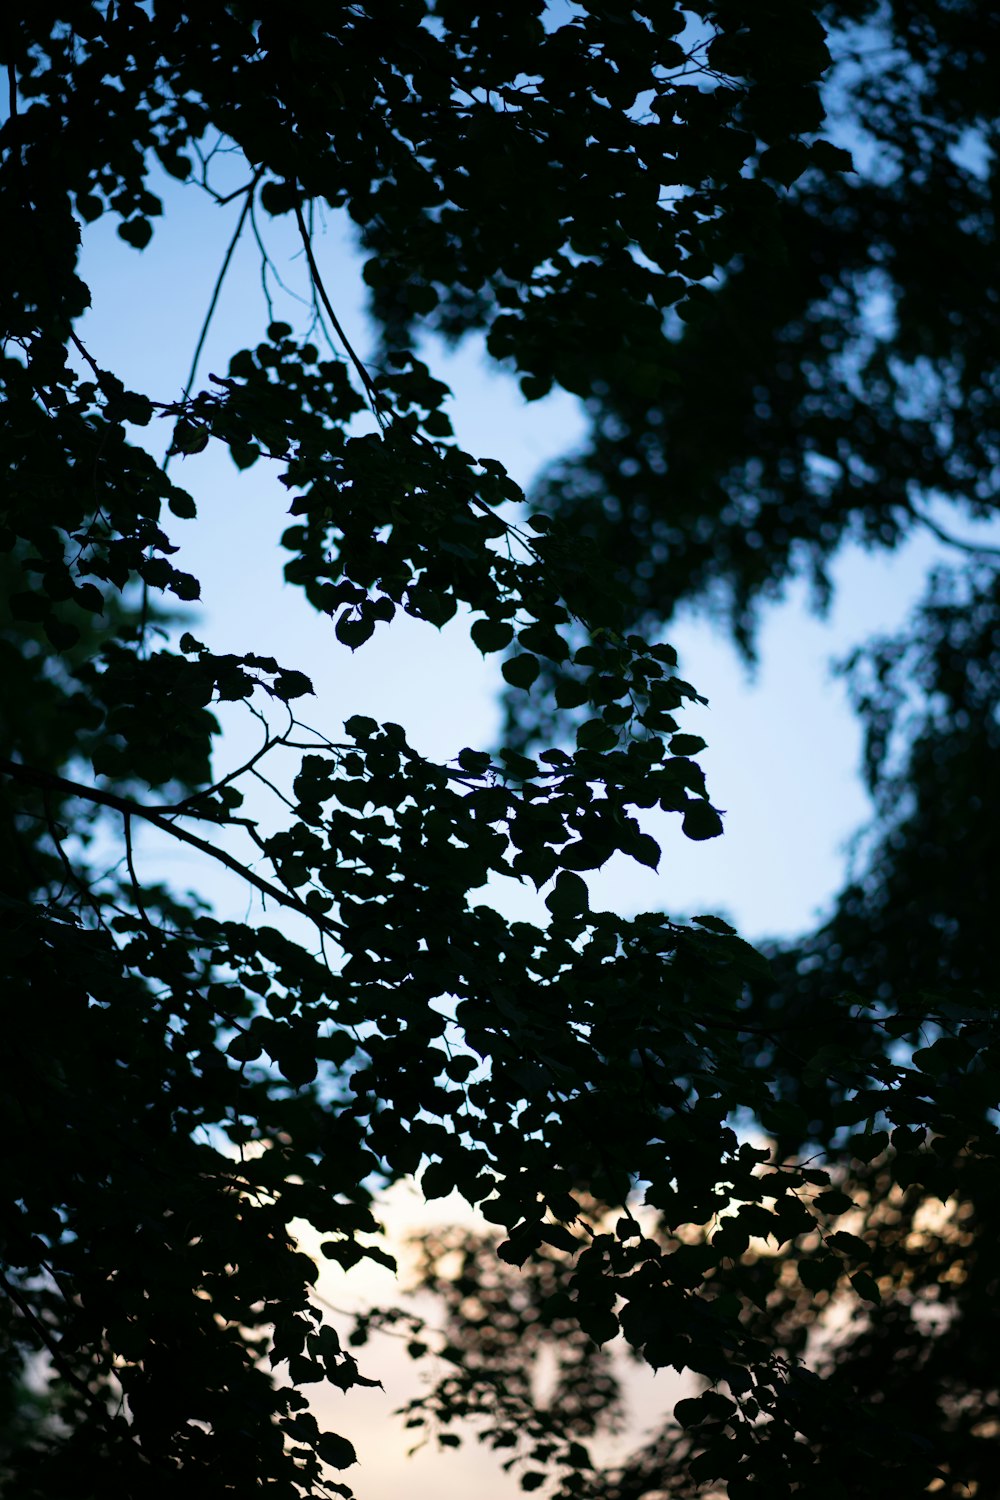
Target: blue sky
column 783, row 746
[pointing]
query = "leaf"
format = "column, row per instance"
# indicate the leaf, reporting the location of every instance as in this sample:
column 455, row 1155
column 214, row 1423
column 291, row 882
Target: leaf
column 244, row 455
column 336, row 1451
column 519, row 765
column 701, row 821
column 821, row 1274
column 437, row 424
column 353, row 630
column 181, row 505
column 785, row 162
column 569, row 896
column 29, row 606
column 189, row 438
column 560, row 1238
column 866, row 1286
column 583, row 855
column 943, row 1056
column 834, row 1202
column 521, row 670
column 686, row 744
column 715, row 924
column 644, row 849
column 830, row 157
column 136, row 232
column 849, row 1244
column 61, row 633
column 278, row 197
column 866, row 1147
column 491, row 635
column 245, row 1047
column 474, row 761
column 538, row 863
column 438, row 1181
column 288, row 685
column 360, row 727
column 711, row 1406
column 184, row 585
column 596, row 735
column 89, row 207
column 571, row 694
column 346, row 1253
column 598, row 1323
column 521, row 1245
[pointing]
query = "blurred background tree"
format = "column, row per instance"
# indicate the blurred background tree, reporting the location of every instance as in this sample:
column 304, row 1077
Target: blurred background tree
column 836, row 381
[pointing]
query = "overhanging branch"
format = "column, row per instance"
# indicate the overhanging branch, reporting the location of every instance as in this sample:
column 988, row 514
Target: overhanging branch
column 161, row 818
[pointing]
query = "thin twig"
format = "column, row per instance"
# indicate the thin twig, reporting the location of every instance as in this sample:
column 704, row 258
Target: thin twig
column 272, row 788
column 73, row 878
column 98, row 372
column 222, row 200
column 186, row 805
column 219, row 280
column 203, row 335
column 136, row 888
column 317, row 280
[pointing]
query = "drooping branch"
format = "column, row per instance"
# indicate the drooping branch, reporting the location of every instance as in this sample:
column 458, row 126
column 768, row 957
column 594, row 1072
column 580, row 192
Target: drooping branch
column 317, row 279
column 160, row 817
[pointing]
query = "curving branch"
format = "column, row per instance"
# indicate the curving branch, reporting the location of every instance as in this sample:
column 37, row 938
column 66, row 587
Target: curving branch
column 160, row 817
column 953, row 541
column 352, row 354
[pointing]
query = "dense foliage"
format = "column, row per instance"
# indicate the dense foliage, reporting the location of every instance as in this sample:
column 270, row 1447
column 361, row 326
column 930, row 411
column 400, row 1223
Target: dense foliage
column 647, row 207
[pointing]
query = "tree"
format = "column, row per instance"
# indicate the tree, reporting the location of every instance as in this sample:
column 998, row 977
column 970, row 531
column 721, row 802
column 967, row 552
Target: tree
column 187, row 1087
column 845, row 387
column 914, row 931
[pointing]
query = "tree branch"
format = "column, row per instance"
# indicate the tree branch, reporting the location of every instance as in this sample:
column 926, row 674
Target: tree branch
column 952, row 541
column 363, row 374
column 187, row 807
column 49, row 1343
column 160, row 818
column 220, row 279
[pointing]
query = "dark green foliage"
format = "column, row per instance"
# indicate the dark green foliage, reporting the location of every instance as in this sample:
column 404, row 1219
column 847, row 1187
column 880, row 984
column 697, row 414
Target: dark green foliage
column 633, row 201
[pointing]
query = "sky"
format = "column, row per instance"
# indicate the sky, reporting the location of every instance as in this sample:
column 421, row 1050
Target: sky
column 783, row 751
column 784, row 748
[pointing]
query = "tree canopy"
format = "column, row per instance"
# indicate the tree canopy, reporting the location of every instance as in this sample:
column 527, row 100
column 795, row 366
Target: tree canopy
column 758, row 242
